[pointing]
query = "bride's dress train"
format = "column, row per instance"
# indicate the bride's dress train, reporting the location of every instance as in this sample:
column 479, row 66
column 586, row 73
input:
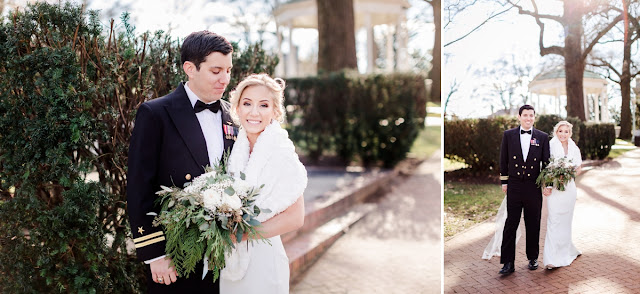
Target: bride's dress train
column 493, row 248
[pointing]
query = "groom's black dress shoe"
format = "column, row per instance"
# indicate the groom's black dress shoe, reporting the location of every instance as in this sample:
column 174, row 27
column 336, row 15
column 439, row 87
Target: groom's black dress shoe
column 533, row 264
column 507, row 268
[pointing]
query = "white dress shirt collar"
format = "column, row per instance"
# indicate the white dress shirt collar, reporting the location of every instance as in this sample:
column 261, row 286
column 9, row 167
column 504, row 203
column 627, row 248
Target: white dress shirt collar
column 193, row 98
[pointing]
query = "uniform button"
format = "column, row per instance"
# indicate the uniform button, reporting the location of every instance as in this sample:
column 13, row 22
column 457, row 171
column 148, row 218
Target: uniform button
column 532, row 166
column 188, row 177
column 528, row 175
column 514, row 157
column 518, row 173
column 516, row 165
column 524, row 167
column 535, row 159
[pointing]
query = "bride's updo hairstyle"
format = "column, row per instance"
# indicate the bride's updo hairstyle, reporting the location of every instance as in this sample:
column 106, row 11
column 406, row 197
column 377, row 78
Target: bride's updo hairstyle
column 563, row 123
column 276, row 86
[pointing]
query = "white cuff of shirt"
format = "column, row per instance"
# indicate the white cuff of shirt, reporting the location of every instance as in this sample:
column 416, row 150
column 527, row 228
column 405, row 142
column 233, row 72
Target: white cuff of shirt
column 152, row 260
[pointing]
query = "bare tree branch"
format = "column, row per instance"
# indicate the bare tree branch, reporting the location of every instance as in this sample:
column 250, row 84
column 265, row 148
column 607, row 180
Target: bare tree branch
column 478, row 26
column 535, row 13
column 600, row 35
column 454, row 8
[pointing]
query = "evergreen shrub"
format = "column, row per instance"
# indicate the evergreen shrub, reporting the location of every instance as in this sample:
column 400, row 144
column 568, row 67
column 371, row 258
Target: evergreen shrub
column 68, row 95
column 476, row 142
column 372, row 119
column 596, row 140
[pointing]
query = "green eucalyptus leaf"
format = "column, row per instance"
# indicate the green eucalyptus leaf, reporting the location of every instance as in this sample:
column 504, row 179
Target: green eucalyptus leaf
column 230, row 191
column 224, row 221
column 239, row 233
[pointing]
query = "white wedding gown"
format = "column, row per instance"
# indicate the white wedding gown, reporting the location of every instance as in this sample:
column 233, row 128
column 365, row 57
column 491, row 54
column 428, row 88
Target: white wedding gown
column 558, row 246
column 258, row 267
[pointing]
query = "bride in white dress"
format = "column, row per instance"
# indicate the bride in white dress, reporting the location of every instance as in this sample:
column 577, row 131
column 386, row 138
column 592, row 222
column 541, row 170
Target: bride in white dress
column 266, row 155
column 558, row 246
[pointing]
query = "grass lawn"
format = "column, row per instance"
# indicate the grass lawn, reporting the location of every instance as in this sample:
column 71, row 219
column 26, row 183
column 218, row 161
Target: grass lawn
column 469, row 204
column 427, row 142
column 620, row 148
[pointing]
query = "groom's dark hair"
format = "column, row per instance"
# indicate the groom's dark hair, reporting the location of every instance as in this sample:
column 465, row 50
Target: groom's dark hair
column 526, row 107
column 198, row 45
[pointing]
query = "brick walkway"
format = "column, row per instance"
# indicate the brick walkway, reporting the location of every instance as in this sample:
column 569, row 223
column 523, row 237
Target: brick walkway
column 394, row 249
column 606, row 228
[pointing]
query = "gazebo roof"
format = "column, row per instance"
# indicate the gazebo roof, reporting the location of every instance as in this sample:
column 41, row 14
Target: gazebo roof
column 553, row 83
column 303, row 13
column 559, row 74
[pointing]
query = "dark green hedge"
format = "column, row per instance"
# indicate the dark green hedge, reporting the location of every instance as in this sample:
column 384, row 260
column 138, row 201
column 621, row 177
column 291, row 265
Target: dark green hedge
column 476, row 142
column 596, row 140
column 373, row 119
column 68, row 95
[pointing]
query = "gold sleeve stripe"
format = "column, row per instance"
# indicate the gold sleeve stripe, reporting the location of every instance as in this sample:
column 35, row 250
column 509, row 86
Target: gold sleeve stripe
column 147, row 237
column 152, row 241
column 502, row 178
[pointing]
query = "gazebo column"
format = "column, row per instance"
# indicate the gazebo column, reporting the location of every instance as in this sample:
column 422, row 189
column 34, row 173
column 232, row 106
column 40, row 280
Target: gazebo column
column 370, row 58
column 586, row 105
column 596, row 107
column 558, row 95
column 280, row 67
column 605, row 105
column 291, row 58
column 389, row 60
column 402, row 58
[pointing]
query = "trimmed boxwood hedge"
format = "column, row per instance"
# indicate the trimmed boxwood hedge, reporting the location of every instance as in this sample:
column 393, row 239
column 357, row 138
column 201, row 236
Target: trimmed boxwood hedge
column 476, row 142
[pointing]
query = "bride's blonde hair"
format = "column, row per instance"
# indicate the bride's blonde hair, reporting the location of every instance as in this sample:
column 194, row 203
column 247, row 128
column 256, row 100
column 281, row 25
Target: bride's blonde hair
column 563, row 123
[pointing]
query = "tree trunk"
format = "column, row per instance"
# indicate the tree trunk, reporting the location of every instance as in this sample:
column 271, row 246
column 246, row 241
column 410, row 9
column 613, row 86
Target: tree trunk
column 625, row 86
column 336, row 35
column 435, row 74
column 573, row 61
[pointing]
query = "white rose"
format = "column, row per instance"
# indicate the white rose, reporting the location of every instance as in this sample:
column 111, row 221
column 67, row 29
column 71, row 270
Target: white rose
column 212, row 199
column 233, row 202
column 241, row 187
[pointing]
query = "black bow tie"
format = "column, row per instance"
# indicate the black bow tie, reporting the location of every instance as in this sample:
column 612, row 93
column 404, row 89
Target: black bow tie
column 521, row 131
column 200, row 106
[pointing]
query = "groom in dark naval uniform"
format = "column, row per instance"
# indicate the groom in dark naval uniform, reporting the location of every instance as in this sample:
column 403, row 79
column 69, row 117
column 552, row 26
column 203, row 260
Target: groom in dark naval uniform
column 523, row 153
column 173, row 139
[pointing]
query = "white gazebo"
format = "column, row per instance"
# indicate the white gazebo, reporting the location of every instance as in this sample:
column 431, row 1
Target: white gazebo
column 552, row 84
column 368, row 14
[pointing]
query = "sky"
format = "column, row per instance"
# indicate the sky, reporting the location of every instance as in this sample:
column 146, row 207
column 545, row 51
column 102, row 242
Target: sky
column 511, row 35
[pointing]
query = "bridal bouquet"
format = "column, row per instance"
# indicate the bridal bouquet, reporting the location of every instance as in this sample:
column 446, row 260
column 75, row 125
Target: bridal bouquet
column 558, row 173
column 200, row 219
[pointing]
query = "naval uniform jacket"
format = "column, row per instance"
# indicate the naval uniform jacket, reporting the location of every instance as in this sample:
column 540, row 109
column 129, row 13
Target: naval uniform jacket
column 512, row 164
column 167, row 148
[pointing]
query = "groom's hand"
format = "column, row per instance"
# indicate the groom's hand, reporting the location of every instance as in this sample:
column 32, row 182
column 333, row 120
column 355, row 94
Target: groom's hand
column 546, row 191
column 504, row 188
column 162, row 272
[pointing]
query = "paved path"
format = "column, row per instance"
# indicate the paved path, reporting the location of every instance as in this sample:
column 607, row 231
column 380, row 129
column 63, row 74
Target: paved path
column 394, row 249
column 606, row 228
